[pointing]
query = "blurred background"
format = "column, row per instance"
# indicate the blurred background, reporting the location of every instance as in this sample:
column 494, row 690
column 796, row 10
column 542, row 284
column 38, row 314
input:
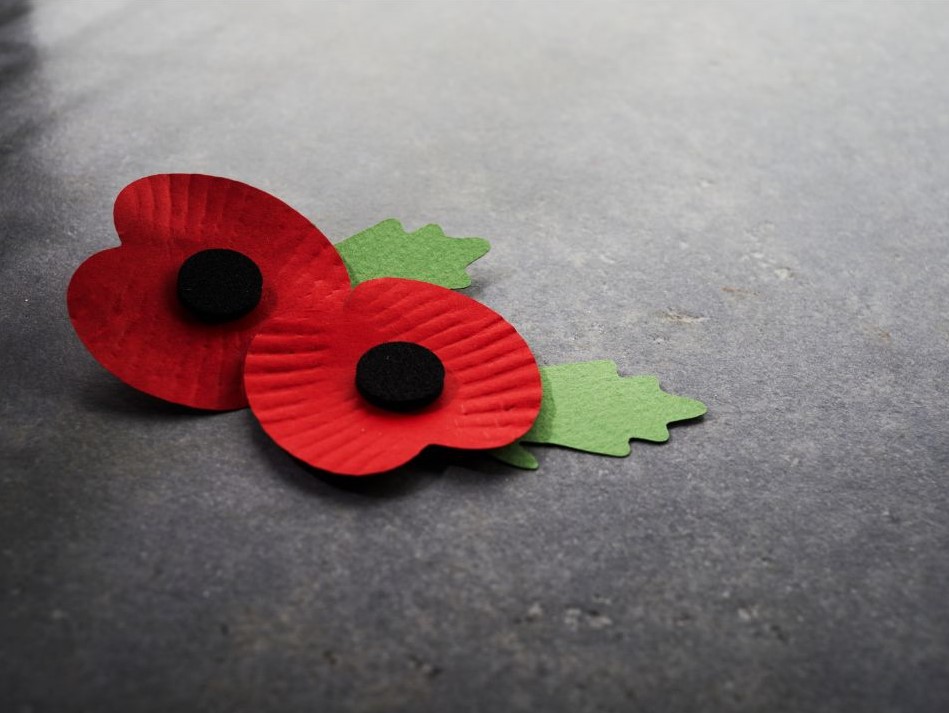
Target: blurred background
column 749, row 200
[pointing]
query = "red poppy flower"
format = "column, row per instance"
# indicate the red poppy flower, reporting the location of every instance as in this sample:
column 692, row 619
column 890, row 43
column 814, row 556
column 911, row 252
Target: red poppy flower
column 399, row 366
column 204, row 261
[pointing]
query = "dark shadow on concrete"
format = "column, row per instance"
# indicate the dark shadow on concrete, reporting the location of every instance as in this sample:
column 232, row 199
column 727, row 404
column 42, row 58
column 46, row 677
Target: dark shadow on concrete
column 105, row 394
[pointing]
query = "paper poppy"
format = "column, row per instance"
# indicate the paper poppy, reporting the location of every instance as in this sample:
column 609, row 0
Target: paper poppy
column 204, row 261
column 399, row 366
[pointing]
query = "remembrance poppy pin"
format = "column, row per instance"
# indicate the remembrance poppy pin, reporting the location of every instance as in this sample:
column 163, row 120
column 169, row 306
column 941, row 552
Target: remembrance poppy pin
column 353, row 357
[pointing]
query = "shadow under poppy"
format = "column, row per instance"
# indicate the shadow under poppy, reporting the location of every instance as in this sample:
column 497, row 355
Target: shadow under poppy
column 313, row 481
column 104, row 394
column 422, row 471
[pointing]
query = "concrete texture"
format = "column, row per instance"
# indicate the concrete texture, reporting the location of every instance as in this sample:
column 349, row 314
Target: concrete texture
column 750, row 200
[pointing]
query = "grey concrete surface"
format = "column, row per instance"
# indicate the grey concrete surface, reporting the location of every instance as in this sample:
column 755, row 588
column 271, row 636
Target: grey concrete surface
column 750, row 200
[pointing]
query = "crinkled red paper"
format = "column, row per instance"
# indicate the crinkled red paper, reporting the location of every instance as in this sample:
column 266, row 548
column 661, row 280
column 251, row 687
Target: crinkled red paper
column 300, row 378
column 123, row 303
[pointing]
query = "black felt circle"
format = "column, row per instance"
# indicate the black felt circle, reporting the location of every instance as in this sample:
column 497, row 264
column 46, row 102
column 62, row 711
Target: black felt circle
column 400, row 376
column 219, row 285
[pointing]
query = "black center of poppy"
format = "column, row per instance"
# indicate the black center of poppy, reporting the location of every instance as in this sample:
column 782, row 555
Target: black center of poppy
column 219, row 285
column 400, row 376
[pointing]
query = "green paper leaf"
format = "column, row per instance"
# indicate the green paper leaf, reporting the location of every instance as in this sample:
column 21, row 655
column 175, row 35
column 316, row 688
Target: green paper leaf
column 590, row 407
column 428, row 255
column 515, row 454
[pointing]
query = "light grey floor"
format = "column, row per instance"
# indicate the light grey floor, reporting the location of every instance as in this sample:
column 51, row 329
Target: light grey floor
column 749, row 200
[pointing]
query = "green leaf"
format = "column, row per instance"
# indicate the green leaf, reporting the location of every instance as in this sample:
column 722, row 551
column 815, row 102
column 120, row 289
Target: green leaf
column 590, row 407
column 515, row 454
column 428, row 255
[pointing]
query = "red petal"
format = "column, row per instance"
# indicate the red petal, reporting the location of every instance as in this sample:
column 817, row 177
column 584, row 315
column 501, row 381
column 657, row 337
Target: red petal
column 193, row 209
column 122, row 301
column 300, row 378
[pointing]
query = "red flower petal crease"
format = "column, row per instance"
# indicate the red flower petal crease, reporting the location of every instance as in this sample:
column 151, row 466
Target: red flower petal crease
column 123, row 301
column 300, row 378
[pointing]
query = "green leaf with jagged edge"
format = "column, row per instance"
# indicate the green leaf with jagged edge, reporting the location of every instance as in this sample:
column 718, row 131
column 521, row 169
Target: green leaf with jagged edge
column 428, row 255
column 590, row 407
